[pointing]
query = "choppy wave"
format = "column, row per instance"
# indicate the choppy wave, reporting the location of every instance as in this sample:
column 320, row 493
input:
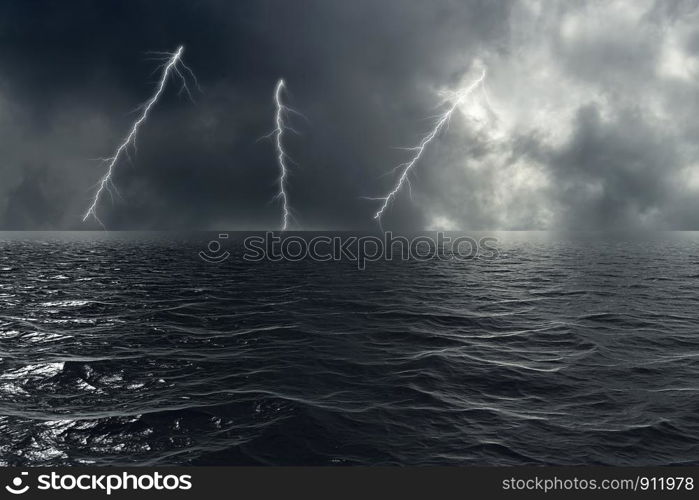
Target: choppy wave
column 125, row 351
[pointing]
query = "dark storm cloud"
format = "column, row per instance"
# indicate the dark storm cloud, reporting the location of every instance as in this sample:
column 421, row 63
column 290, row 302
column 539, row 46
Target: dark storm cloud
column 612, row 175
column 357, row 70
column 365, row 74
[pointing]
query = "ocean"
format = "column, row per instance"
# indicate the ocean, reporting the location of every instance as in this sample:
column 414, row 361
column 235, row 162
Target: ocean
column 565, row 348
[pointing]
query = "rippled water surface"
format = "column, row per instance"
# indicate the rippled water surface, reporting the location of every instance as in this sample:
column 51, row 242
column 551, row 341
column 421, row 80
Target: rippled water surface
column 563, row 350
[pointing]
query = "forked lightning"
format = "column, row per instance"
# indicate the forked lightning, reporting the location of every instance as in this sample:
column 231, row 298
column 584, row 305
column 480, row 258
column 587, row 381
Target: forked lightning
column 172, row 64
column 282, row 110
column 456, row 99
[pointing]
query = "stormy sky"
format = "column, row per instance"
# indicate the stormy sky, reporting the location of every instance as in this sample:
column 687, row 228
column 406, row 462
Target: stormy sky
column 588, row 118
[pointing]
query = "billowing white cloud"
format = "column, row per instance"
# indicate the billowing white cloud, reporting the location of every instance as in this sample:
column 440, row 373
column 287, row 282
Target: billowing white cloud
column 591, row 107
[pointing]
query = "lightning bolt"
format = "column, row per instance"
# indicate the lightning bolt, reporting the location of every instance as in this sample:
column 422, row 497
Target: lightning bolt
column 282, row 110
column 172, row 64
column 456, row 99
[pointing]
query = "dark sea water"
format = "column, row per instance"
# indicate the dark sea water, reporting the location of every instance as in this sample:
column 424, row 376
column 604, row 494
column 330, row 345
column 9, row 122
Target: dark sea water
column 565, row 349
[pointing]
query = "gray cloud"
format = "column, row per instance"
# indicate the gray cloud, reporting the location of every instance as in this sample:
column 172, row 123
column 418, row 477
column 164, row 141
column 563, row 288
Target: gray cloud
column 590, row 120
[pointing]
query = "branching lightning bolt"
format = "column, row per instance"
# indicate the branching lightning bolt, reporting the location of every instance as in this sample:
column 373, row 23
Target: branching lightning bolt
column 282, row 157
column 172, row 64
column 456, row 99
